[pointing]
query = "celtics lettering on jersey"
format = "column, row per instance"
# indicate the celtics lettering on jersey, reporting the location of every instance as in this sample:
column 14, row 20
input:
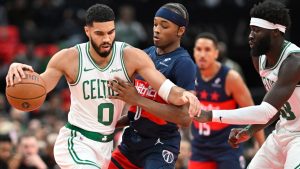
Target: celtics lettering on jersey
column 96, row 88
column 91, row 109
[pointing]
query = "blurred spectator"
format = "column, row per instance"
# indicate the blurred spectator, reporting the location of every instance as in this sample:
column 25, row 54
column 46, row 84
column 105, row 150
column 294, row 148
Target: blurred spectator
column 128, row 29
column 6, row 148
column 27, row 156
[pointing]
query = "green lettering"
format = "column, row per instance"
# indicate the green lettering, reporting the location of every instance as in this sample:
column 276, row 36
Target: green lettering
column 93, row 89
column 83, row 88
column 99, row 89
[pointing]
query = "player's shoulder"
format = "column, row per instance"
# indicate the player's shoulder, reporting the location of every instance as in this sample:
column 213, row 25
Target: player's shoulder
column 130, row 51
column 291, row 63
column 233, row 75
column 150, row 49
column 67, row 52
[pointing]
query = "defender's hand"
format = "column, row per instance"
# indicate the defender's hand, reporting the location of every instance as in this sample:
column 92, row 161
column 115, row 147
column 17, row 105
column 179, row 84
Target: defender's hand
column 237, row 136
column 126, row 91
column 16, row 70
column 194, row 107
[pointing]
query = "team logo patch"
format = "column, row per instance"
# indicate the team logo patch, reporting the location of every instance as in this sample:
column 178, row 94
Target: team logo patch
column 168, row 156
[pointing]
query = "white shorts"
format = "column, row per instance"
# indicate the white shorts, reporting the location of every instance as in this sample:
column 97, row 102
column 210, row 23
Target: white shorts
column 281, row 150
column 72, row 150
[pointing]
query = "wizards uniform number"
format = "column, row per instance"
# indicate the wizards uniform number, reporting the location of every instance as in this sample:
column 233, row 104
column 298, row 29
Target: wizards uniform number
column 204, row 129
column 286, row 112
column 105, row 113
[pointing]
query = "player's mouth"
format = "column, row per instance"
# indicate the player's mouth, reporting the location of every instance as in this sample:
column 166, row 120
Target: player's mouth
column 105, row 47
column 155, row 38
column 251, row 43
column 202, row 61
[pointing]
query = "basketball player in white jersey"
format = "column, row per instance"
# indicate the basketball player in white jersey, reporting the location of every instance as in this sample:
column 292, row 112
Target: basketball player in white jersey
column 86, row 140
column 278, row 63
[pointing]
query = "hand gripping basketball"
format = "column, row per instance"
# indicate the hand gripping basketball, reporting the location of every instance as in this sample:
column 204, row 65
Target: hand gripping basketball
column 27, row 94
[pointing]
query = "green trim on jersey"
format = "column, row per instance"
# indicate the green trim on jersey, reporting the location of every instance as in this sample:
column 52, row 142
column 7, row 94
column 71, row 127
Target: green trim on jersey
column 92, row 61
column 286, row 45
column 295, row 51
column 79, row 67
column 122, row 61
column 90, row 134
column 74, row 155
column 297, row 167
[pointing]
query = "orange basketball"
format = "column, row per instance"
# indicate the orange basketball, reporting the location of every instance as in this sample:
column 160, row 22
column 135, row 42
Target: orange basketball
column 27, row 95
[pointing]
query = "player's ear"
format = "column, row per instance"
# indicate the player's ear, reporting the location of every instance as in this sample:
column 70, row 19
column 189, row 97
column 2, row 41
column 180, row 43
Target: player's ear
column 86, row 30
column 217, row 54
column 276, row 32
column 181, row 31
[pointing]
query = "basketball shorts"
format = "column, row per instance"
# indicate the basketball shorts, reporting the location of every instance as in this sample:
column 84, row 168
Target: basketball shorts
column 219, row 159
column 72, row 150
column 137, row 152
column 281, row 150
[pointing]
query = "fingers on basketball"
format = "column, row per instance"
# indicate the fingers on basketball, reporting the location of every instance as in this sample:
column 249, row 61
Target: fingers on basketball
column 28, row 94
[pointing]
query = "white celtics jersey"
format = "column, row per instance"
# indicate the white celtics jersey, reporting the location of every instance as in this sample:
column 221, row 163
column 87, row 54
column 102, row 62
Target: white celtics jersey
column 91, row 109
column 290, row 112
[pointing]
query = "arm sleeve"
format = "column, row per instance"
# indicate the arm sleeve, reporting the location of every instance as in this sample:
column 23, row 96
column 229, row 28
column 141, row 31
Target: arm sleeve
column 185, row 73
column 259, row 114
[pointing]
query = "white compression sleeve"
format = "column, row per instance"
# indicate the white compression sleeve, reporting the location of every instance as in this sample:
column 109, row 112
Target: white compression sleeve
column 259, row 114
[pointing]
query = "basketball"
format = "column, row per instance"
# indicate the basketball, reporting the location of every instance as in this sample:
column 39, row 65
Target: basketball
column 27, row 95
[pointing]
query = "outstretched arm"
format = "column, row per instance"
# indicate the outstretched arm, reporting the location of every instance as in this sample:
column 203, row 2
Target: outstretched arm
column 272, row 102
column 128, row 93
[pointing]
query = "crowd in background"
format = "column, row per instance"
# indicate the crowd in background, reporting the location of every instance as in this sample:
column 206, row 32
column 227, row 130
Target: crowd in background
column 33, row 30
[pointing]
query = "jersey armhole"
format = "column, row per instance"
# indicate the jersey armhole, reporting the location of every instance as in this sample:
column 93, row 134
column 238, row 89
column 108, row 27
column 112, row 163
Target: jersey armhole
column 122, row 61
column 79, row 66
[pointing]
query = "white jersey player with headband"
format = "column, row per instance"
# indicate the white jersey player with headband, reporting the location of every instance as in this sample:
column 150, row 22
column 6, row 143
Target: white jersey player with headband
column 278, row 63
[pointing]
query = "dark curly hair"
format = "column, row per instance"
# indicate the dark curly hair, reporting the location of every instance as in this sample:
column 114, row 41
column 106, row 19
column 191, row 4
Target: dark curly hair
column 99, row 13
column 272, row 11
column 179, row 9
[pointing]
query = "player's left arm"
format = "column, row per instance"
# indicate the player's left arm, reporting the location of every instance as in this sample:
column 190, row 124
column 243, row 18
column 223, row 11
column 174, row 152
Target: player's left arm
column 288, row 78
column 236, row 87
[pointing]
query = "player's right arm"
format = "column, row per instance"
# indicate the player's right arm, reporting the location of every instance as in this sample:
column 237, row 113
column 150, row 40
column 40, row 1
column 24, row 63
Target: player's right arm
column 236, row 87
column 58, row 65
column 240, row 135
column 272, row 102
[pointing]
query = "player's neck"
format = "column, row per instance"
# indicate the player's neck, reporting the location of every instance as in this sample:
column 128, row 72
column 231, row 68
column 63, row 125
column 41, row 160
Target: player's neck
column 168, row 49
column 210, row 73
column 100, row 61
column 275, row 52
